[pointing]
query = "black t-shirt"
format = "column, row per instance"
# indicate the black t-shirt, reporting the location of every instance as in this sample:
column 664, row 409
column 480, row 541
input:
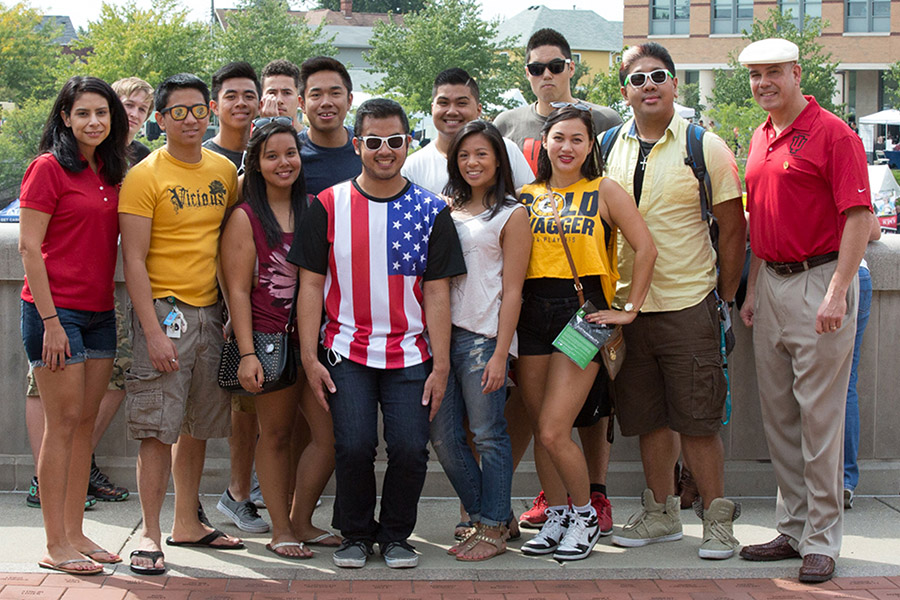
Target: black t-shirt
column 639, row 168
column 136, row 152
column 311, row 248
column 237, row 158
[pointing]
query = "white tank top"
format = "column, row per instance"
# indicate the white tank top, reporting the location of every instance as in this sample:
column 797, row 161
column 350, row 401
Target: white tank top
column 475, row 297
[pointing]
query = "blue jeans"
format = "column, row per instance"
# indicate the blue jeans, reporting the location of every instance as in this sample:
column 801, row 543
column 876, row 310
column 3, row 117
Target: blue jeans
column 354, row 413
column 851, row 415
column 485, row 492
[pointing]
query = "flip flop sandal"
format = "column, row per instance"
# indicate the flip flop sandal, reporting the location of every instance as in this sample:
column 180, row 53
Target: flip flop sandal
column 480, row 536
column 273, row 548
column 64, row 568
column 153, row 555
column 206, row 542
column 467, row 525
column 91, row 554
column 317, row 541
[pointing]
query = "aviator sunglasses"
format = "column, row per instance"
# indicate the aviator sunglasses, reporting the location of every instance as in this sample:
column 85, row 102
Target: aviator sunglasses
column 556, row 66
column 638, row 79
column 179, row 112
column 281, row 120
column 374, row 142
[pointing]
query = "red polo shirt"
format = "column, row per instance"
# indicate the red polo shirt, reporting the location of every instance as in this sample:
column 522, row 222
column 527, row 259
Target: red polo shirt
column 800, row 183
column 79, row 247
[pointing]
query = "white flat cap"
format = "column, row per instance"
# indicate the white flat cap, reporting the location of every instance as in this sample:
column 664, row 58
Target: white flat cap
column 769, row 51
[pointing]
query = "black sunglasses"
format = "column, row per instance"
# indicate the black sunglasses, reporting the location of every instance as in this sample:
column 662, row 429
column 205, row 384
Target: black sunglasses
column 556, row 66
column 263, row 121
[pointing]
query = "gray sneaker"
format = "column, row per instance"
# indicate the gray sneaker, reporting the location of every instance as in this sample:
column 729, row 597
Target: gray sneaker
column 718, row 528
column 399, row 555
column 244, row 514
column 654, row 522
column 256, row 496
column 351, row 555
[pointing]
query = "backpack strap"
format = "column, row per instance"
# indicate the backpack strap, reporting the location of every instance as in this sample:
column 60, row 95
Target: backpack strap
column 607, row 140
column 697, row 163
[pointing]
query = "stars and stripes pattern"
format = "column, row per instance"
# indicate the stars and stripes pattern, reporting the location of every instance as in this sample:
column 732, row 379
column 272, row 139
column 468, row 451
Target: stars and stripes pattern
column 373, row 287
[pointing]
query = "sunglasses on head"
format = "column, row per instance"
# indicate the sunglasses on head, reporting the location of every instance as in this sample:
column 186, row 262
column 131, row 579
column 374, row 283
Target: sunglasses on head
column 579, row 105
column 179, row 112
column 263, row 121
column 556, row 66
column 374, row 142
column 658, row 77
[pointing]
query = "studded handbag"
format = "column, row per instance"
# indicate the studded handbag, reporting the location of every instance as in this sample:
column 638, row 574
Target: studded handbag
column 275, row 352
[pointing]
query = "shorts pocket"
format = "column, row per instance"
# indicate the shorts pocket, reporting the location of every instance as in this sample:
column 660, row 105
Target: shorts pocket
column 145, row 405
column 708, row 387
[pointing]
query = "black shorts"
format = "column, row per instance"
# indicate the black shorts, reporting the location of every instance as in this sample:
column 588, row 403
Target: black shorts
column 540, row 321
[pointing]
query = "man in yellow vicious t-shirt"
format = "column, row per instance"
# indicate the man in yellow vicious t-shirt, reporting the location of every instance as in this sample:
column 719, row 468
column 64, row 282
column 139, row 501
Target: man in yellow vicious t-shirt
column 171, row 209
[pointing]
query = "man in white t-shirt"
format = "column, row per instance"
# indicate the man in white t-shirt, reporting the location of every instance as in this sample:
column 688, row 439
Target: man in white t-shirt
column 454, row 102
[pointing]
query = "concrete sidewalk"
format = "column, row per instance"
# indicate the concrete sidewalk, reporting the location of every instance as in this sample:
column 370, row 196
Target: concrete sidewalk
column 871, row 547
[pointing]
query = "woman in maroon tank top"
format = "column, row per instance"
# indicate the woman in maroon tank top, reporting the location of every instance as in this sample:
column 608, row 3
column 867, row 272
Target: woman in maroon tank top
column 261, row 287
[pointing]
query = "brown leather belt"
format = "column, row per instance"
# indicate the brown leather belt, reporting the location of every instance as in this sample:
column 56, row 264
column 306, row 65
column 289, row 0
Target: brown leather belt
column 792, row 268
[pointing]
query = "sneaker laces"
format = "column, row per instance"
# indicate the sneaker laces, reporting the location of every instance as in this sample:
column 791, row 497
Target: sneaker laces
column 98, row 478
column 249, row 508
column 575, row 532
column 636, row 519
column 721, row 533
column 540, row 500
column 555, row 524
column 346, row 543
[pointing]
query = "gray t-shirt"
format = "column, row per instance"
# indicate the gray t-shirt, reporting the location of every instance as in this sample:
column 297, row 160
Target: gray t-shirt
column 523, row 126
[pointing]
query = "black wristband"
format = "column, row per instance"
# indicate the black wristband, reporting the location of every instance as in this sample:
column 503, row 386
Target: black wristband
column 248, row 354
column 53, row 316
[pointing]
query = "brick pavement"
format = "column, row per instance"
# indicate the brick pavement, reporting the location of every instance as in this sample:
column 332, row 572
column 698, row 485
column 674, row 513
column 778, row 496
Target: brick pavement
column 41, row 586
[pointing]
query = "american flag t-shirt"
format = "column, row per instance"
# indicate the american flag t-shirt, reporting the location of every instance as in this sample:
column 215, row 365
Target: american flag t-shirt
column 373, row 287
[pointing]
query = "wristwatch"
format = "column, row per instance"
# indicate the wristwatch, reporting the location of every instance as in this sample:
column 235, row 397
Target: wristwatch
column 631, row 308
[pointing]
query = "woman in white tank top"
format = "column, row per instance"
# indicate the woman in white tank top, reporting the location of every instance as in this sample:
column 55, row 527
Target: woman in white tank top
column 484, row 305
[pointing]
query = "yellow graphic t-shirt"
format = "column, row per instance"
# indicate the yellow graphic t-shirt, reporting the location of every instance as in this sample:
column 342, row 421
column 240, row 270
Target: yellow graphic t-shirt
column 187, row 202
column 585, row 232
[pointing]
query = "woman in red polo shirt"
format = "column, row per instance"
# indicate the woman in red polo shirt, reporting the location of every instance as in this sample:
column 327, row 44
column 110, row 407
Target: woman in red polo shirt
column 68, row 230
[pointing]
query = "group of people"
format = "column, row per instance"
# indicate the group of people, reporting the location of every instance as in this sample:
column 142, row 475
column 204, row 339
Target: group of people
column 435, row 287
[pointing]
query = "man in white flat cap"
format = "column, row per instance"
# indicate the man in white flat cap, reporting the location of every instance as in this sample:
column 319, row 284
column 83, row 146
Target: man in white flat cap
column 809, row 204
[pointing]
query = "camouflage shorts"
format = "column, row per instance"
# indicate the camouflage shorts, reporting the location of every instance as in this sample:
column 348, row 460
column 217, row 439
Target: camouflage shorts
column 121, row 364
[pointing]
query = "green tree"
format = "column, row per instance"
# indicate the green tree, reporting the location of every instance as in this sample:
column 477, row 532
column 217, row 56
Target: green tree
column 261, row 30
column 19, row 139
column 892, row 85
column 149, row 43
column 606, row 90
column 689, row 95
column 29, row 58
column 733, row 87
column 444, row 34
column 376, row 6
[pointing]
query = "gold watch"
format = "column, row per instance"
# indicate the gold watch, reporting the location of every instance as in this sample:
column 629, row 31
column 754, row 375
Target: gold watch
column 631, row 308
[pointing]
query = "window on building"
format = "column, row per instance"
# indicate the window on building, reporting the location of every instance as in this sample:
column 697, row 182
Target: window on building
column 867, row 16
column 691, row 77
column 670, row 17
column 576, row 57
column 731, row 16
column 800, row 9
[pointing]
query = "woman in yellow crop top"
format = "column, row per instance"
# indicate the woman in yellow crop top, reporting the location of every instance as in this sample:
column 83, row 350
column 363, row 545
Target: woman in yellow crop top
column 554, row 388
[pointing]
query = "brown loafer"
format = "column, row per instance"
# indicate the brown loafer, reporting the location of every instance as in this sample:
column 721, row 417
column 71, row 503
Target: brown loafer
column 778, row 549
column 816, row 568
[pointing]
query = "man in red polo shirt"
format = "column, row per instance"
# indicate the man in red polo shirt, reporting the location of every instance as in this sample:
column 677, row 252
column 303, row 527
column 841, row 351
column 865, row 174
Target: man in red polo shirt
column 808, row 198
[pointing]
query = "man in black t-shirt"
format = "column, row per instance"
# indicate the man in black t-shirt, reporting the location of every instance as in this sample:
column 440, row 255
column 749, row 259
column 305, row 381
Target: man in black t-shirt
column 235, row 94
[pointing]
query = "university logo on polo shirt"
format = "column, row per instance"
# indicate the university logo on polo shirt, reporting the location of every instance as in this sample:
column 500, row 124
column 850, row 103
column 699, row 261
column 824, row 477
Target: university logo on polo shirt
column 379, row 251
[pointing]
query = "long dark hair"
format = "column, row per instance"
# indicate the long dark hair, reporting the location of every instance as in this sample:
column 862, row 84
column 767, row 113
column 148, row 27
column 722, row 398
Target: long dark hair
column 592, row 167
column 254, row 186
column 498, row 195
column 59, row 140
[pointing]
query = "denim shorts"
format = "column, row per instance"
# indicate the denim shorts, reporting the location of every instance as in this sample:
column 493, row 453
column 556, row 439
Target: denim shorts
column 91, row 334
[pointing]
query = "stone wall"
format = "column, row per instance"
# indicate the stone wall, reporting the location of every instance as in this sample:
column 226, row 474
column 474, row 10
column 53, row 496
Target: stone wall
column 748, row 472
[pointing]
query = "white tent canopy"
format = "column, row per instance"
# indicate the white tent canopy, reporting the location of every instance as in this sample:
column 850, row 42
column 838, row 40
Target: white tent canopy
column 867, row 125
column 882, row 182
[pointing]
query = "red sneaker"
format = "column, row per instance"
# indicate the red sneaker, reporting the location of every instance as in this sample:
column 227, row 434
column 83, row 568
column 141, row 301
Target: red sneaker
column 534, row 517
column 604, row 512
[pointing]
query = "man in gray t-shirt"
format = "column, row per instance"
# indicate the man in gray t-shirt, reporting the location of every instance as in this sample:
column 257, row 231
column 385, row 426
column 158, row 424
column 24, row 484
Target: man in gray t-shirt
column 549, row 69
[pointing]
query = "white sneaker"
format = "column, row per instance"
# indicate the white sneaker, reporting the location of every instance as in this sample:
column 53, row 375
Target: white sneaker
column 580, row 538
column 551, row 534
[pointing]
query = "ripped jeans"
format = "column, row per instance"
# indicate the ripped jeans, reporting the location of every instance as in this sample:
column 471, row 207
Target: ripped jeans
column 485, row 491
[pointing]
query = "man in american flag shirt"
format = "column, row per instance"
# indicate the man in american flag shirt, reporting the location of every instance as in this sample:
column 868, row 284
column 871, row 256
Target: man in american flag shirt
column 377, row 252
